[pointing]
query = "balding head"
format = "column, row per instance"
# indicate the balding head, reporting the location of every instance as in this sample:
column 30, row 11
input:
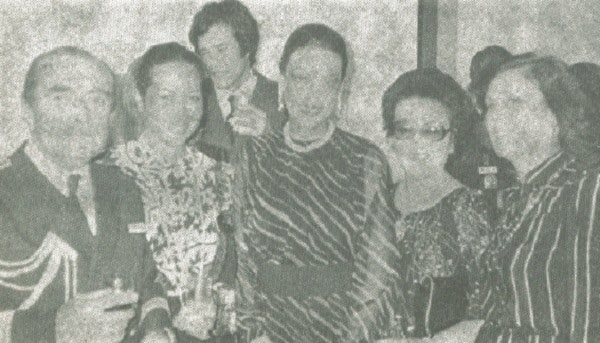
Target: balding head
column 44, row 63
column 69, row 95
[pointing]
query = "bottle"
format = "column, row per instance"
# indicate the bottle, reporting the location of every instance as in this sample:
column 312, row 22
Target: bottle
column 197, row 315
column 226, row 321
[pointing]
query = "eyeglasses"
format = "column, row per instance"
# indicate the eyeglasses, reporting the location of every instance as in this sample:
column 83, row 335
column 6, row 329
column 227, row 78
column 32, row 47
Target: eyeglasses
column 430, row 134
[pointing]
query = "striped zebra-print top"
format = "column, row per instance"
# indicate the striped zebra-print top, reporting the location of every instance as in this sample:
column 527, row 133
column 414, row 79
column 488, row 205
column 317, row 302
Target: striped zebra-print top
column 316, row 257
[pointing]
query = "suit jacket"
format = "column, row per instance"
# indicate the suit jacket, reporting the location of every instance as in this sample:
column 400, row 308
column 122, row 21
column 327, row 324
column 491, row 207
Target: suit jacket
column 217, row 139
column 31, row 210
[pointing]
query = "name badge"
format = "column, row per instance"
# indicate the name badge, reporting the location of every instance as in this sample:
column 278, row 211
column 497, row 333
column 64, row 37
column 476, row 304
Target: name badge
column 134, row 228
column 488, row 170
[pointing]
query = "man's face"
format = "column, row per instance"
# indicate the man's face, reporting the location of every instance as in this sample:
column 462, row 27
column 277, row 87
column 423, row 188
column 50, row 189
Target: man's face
column 71, row 107
column 221, row 54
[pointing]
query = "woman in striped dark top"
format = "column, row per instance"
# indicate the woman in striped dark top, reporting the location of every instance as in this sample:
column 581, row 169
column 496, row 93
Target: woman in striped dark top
column 546, row 271
column 316, row 255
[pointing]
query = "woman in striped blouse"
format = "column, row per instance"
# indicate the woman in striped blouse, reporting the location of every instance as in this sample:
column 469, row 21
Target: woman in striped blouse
column 316, row 255
column 545, row 275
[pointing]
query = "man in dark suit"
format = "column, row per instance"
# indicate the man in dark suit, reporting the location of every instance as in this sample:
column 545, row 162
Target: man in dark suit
column 68, row 227
column 238, row 100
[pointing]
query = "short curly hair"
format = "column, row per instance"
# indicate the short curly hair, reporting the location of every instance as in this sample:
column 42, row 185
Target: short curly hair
column 36, row 68
column 430, row 83
column 588, row 76
column 233, row 14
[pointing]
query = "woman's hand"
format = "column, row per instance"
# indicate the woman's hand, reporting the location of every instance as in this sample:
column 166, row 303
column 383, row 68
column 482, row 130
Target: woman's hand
column 197, row 317
column 158, row 336
column 247, row 119
column 465, row 331
column 85, row 318
column 261, row 339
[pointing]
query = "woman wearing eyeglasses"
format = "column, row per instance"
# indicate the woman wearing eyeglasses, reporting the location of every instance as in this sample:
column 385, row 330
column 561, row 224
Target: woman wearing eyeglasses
column 441, row 225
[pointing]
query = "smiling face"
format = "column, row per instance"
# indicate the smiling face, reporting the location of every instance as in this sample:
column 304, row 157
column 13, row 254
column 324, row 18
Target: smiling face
column 421, row 135
column 313, row 80
column 221, row 54
column 71, row 109
column 173, row 103
column 519, row 121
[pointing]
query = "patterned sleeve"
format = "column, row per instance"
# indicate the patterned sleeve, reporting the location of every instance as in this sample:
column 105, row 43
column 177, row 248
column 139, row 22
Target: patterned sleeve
column 154, row 312
column 250, row 319
column 376, row 258
column 474, row 236
column 585, row 314
column 226, row 257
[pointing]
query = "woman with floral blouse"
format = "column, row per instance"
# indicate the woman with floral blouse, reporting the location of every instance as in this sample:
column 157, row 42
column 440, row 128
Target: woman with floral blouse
column 184, row 191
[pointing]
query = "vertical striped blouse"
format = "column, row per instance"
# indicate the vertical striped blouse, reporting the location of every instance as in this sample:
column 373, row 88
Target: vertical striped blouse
column 316, row 255
column 546, row 276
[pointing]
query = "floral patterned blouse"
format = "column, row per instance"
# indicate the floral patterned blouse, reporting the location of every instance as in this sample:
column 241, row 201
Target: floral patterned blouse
column 449, row 237
column 182, row 202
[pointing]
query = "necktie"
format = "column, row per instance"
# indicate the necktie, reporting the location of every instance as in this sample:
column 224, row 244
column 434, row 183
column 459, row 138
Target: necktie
column 231, row 100
column 72, row 184
column 232, row 135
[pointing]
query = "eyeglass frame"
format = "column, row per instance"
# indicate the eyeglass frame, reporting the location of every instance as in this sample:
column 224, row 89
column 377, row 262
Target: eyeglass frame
column 411, row 133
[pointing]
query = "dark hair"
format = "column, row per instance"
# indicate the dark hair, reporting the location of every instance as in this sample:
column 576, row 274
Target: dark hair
column 588, row 76
column 314, row 35
column 36, row 68
column 578, row 132
column 160, row 54
column 484, row 65
column 233, row 14
column 430, row 83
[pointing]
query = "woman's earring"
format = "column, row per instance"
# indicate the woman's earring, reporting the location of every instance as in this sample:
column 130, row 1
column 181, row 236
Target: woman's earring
column 280, row 97
column 338, row 113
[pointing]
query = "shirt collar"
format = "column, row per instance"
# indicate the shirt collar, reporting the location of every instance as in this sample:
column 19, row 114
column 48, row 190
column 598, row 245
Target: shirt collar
column 246, row 90
column 57, row 176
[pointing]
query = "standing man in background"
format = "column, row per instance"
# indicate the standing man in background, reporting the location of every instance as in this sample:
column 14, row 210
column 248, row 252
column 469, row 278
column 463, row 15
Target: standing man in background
column 238, row 99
